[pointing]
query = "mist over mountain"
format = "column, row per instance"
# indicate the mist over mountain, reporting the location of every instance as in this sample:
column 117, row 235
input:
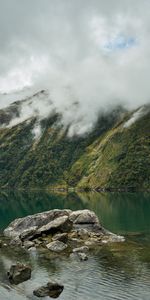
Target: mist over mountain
column 75, row 94
column 90, row 56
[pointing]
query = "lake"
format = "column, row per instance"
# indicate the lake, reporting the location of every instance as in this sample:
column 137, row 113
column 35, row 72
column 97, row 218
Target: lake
column 118, row 271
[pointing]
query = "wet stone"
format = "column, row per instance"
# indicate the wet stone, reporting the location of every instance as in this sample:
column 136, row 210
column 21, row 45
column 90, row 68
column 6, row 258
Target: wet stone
column 52, row 289
column 57, row 246
column 19, row 273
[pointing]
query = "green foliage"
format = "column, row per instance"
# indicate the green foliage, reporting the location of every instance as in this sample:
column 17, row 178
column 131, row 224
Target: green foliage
column 109, row 157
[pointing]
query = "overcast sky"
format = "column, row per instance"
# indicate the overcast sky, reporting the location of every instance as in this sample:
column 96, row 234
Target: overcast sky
column 95, row 52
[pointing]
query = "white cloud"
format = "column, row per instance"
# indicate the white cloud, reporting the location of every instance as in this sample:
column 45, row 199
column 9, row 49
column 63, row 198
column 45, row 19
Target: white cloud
column 92, row 52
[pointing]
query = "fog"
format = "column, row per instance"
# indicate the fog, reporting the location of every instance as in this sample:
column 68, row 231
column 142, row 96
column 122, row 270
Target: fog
column 90, row 56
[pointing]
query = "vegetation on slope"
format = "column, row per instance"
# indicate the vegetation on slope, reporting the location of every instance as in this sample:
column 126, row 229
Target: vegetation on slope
column 109, row 157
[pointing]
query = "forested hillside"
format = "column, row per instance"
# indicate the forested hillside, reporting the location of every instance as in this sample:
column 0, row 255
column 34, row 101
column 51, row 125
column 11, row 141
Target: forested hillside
column 111, row 156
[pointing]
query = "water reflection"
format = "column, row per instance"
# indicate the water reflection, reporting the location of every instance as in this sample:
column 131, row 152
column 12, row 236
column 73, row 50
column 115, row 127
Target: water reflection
column 119, row 212
column 119, row 271
column 112, row 272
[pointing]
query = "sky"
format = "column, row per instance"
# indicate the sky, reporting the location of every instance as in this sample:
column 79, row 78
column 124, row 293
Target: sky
column 92, row 52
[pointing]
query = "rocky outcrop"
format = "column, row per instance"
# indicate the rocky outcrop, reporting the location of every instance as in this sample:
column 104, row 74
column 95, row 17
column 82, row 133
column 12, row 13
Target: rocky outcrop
column 19, row 273
column 59, row 231
column 52, row 289
column 18, row 226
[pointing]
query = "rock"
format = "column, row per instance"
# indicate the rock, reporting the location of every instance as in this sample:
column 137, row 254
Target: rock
column 19, row 273
column 54, row 227
column 32, row 249
column 92, row 242
column 28, row 244
column 28, row 233
column 82, row 256
column 52, row 289
column 37, row 242
column 81, row 249
column 83, row 233
column 57, row 246
column 62, row 224
column 15, row 242
column 112, row 238
column 84, row 217
column 62, row 237
column 18, row 226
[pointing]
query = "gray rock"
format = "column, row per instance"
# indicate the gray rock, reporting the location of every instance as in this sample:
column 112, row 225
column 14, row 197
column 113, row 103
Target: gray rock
column 15, row 242
column 57, row 246
column 32, row 249
column 81, row 249
column 62, row 237
column 62, row 224
column 83, row 233
column 18, row 226
column 19, row 273
column 81, row 226
column 84, row 217
column 28, row 233
column 82, row 256
column 52, row 289
column 28, row 244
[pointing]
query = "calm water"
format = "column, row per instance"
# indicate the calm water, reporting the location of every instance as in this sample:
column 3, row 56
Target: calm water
column 120, row 271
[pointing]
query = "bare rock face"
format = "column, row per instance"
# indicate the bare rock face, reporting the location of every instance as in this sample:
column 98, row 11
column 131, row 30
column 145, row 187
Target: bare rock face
column 62, row 224
column 19, row 273
column 52, row 289
column 57, row 246
column 28, row 234
column 18, row 226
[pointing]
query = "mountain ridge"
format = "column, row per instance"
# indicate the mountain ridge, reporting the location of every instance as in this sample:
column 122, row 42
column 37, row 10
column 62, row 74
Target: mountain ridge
column 112, row 156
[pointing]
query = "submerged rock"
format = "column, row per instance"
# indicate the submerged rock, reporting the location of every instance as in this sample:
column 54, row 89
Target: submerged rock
column 52, row 289
column 81, row 249
column 82, row 256
column 19, row 273
column 57, row 246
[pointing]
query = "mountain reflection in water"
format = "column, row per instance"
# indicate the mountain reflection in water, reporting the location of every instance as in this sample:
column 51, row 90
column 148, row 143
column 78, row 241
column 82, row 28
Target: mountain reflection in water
column 118, row 271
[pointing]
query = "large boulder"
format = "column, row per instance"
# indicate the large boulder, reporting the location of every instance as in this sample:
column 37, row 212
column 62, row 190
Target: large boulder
column 19, row 273
column 52, row 289
column 18, row 226
column 82, row 228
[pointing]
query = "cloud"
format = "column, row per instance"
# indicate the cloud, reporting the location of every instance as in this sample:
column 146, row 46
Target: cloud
column 91, row 52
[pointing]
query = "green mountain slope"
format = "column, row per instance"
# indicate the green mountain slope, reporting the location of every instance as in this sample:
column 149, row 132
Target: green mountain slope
column 111, row 156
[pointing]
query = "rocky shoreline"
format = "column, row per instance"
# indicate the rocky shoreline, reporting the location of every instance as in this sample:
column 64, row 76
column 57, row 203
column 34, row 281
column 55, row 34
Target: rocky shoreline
column 58, row 232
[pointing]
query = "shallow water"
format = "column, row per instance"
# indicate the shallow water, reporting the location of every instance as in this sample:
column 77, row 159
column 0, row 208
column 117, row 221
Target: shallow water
column 119, row 271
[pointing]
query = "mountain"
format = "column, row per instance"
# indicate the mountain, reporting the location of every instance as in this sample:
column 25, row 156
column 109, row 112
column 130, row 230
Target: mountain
column 38, row 153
